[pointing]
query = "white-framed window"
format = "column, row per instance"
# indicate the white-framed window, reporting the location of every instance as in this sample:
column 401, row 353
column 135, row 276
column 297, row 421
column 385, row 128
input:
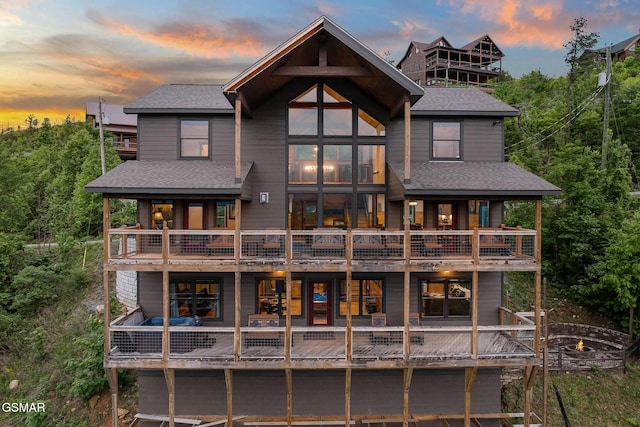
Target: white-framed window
column 446, row 141
column 194, row 138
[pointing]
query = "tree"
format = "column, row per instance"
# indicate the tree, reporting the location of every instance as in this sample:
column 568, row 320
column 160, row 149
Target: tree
column 578, row 55
column 618, row 288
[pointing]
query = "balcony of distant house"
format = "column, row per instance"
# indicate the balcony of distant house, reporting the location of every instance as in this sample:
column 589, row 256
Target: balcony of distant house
column 120, row 129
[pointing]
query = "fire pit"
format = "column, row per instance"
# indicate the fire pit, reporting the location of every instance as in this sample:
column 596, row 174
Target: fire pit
column 579, row 351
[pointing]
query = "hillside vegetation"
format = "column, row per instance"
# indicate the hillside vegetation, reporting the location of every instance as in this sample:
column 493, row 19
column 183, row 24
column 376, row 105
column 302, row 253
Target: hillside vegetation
column 51, row 339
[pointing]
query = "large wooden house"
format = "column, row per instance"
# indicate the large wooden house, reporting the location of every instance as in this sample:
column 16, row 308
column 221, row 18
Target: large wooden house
column 320, row 242
column 440, row 64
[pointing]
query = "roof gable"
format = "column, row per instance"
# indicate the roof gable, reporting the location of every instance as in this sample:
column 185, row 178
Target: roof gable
column 323, row 50
column 476, row 45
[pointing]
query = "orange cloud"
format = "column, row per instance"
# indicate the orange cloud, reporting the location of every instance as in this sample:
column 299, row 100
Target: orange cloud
column 195, row 39
column 519, row 22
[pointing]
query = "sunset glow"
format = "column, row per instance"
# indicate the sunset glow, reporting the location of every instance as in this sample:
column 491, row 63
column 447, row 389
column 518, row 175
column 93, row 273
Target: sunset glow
column 57, row 56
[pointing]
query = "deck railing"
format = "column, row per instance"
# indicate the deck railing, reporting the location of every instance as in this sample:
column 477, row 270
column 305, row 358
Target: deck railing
column 316, row 343
column 310, row 245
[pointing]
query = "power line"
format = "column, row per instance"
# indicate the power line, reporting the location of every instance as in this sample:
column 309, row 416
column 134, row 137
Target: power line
column 575, row 113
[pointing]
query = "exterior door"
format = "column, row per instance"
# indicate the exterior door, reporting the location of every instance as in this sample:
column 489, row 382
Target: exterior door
column 320, row 302
column 194, row 216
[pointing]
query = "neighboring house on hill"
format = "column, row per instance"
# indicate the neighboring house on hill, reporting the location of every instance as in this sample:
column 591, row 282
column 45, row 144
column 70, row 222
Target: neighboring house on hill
column 622, row 50
column 321, row 243
column 122, row 126
column 439, row 63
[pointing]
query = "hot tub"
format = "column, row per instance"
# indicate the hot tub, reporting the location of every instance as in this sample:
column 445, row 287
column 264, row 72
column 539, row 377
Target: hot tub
column 180, row 342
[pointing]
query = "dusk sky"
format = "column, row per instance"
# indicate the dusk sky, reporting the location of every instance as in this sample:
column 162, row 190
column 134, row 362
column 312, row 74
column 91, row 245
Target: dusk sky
column 57, row 55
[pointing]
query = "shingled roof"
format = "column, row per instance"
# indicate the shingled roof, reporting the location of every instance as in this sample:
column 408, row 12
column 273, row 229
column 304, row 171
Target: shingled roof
column 186, row 177
column 474, row 179
column 460, row 100
column 182, row 98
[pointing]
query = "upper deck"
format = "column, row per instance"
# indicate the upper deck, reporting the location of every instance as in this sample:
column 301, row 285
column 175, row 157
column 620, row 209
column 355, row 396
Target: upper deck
column 323, row 249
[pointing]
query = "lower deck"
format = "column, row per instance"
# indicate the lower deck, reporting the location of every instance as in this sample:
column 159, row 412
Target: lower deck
column 307, row 346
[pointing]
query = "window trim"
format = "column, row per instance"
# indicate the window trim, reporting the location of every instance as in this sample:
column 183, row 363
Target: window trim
column 361, row 314
column 445, row 303
column 432, row 155
column 192, row 279
column 258, row 309
column 180, row 138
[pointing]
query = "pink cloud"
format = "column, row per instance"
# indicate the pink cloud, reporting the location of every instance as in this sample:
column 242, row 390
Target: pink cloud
column 195, row 39
column 520, row 22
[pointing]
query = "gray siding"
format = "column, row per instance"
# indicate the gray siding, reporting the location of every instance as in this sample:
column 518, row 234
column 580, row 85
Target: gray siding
column 157, row 137
column 223, row 138
column 321, row 393
column 264, row 143
column 395, row 140
column 420, row 139
column 482, row 140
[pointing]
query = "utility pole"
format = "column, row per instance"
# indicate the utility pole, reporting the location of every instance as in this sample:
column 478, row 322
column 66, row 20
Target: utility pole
column 607, row 100
column 101, row 116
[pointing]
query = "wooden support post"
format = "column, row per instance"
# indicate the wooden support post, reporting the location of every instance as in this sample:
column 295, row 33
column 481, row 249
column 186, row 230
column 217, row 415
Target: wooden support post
column 407, row 233
column 349, row 324
column 408, row 374
column 236, row 251
column 112, row 378
column 107, row 311
column 106, row 300
column 474, row 314
column 228, row 381
column 407, row 141
column 238, row 126
column 106, row 225
column 287, row 343
column 165, row 243
column 165, row 314
column 170, row 379
column 545, row 357
column 238, row 299
column 347, row 398
column 289, row 378
column 469, row 378
column 530, row 373
column 538, row 277
column 406, row 294
column 238, row 228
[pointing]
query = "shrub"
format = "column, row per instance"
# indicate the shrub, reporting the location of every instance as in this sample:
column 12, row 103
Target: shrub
column 87, row 370
column 31, row 289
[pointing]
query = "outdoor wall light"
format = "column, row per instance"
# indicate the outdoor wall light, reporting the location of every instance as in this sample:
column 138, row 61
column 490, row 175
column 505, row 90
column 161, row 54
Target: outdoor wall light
column 264, row 198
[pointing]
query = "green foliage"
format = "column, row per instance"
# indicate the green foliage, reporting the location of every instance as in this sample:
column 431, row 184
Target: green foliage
column 618, row 287
column 87, row 371
column 581, row 224
column 31, row 289
column 43, row 171
column 11, row 246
